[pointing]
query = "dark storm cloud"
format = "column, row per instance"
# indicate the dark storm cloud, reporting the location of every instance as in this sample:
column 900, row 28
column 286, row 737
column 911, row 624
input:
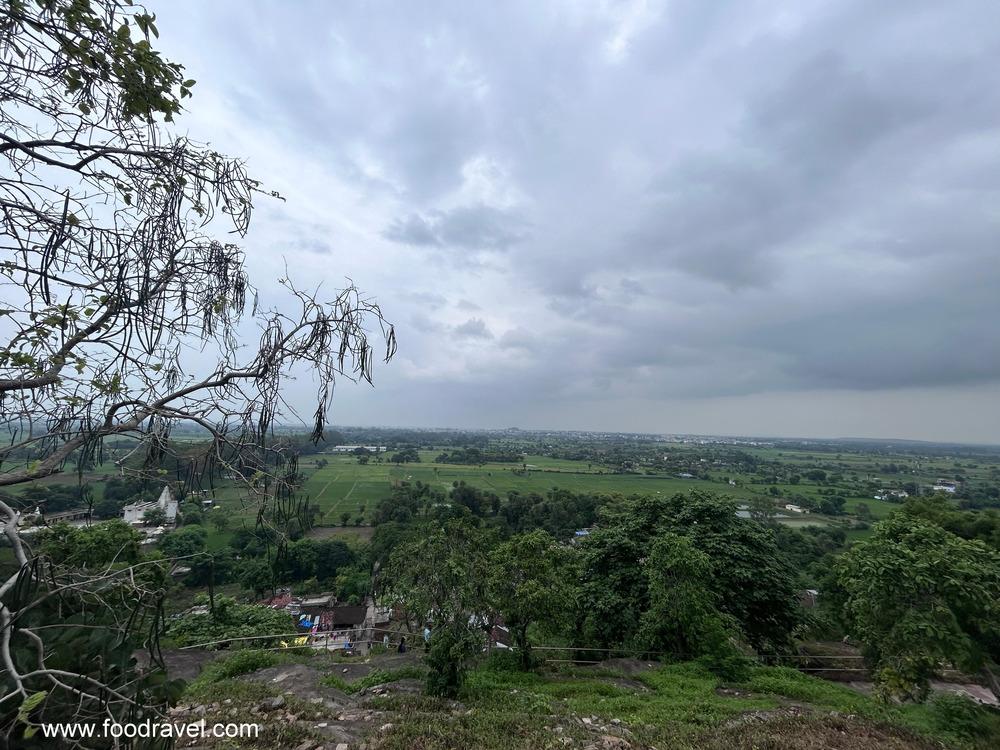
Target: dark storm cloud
column 648, row 202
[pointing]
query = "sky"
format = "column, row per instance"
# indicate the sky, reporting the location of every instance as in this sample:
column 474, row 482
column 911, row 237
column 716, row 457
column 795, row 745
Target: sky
column 745, row 218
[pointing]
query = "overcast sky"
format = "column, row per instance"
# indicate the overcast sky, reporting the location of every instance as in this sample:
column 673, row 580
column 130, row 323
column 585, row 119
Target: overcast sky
column 696, row 216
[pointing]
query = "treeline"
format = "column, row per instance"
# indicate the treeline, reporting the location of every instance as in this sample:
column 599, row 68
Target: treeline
column 478, row 457
column 684, row 577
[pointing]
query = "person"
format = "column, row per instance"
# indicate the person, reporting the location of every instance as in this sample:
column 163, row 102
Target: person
column 427, row 637
column 402, row 645
column 385, row 641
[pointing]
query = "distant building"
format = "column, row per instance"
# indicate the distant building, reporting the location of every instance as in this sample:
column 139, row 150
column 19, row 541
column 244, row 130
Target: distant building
column 794, row 508
column 891, row 495
column 685, row 475
column 944, row 486
column 132, row 514
column 352, row 448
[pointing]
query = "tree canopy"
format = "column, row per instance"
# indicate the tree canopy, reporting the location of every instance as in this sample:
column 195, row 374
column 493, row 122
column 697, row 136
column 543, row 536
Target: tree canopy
column 919, row 597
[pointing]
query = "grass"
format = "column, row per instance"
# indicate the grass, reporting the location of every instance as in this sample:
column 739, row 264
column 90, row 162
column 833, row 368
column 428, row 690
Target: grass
column 375, row 677
column 666, row 706
column 682, row 706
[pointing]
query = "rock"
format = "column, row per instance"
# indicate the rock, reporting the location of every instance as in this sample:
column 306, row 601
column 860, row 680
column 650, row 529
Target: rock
column 610, row 742
column 344, row 670
column 587, row 720
column 306, row 745
column 385, row 727
column 341, row 746
column 616, row 722
column 272, row 704
column 321, row 725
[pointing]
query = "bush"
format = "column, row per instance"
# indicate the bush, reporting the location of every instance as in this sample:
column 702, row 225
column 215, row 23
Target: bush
column 960, row 715
column 451, row 645
column 237, row 663
column 502, row 660
column 231, row 620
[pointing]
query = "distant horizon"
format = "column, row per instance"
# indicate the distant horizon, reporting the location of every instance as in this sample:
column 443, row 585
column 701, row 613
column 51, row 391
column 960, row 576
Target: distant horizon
column 703, row 435
column 776, row 219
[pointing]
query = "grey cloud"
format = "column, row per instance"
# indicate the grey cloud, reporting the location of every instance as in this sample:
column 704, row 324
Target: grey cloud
column 412, row 230
column 754, row 199
column 475, row 227
column 473, row 328
column 311, row 245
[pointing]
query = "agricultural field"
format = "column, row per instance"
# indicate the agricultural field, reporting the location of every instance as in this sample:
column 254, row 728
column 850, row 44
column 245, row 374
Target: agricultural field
column 347, row 490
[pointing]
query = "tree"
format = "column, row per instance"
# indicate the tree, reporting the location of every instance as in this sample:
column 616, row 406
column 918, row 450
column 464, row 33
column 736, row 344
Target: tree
column 683, row 616
column 231, row 620
column 220, row 521
column 761, row 509
column 918, row 597
column 101, row 544
column 831, row 505
column 107, row 507
column 255, row 575
column 154, row 517
column 751, row 577
column 440, row 573
column 184, row 542
column 531, row 582
column 111, row 280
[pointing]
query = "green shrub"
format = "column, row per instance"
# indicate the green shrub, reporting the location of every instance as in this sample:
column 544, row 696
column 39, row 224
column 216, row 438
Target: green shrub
column 960, row 715
column 236, row 664
column 375, row 677
column 502, row 660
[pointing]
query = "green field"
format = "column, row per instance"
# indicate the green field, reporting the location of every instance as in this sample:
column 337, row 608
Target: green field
column 344, row 486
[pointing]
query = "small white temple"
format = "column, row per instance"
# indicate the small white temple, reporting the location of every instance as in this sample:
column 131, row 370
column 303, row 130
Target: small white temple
column 133, row 513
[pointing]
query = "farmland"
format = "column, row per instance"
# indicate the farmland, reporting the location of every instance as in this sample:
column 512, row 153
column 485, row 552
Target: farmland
column 346, row 488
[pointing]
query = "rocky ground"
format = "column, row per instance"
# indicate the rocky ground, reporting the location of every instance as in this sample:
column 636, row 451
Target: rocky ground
column 319, row 704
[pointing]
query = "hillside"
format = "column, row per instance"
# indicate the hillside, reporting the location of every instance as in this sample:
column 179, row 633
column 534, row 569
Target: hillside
column 309, row 702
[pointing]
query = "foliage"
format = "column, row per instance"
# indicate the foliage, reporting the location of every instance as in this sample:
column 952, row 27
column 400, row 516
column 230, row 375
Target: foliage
column 962, row 716
column 230, row 620
column 237, row 663
column 683, row 616
column 531, row 580
column 256, row 575
column 918, row 597
column 377, row 676
column 89, row 546
column 441, row 573
column 750, row 577
column 184, row 542
column 154, row 517
column 453, row 642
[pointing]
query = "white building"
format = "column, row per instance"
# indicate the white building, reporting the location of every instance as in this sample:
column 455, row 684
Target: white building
column 891, row 495
column 133, row 513
column 794, row 508
column 943, row 486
